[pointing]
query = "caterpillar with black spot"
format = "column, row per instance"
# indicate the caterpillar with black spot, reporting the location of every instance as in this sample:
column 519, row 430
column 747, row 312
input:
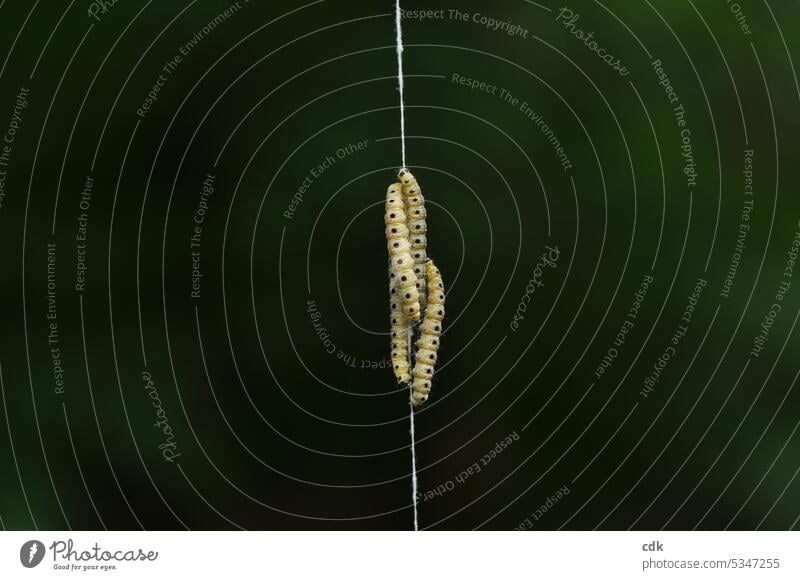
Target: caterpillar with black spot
column 430, row 333
column 417, row 226
column 401, row 268
column 399, row 336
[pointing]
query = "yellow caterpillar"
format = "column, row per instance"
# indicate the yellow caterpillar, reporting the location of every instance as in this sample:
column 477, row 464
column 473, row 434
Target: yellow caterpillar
column 430, row 332
column 399, row 336
column 401, row 263
column 418, row 228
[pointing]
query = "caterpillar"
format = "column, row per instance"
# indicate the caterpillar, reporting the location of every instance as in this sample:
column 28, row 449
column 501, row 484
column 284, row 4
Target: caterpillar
column 401, row 269
column 418, row 228
column 399, row 336
column 430, row 332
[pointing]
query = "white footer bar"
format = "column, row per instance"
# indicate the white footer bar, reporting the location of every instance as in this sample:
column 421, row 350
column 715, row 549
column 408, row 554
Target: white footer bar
column 400, row 555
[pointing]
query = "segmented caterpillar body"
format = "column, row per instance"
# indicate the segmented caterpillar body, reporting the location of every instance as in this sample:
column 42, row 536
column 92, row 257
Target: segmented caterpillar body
column 430, row 332
column 399, row 336
column 401, row 267
column 418, row 228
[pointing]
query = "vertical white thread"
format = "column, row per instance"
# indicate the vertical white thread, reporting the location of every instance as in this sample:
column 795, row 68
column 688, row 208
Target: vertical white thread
column 401, row 87
column 400, row 82
column 414, row 471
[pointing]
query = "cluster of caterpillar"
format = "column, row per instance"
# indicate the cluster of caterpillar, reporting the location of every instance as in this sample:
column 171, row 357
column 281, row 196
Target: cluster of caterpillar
column 415, row 286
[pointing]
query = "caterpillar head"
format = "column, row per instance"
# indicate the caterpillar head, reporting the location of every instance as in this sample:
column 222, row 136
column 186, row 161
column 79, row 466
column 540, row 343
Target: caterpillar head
column 394, row 190
column 400, row 368
column 406, row 177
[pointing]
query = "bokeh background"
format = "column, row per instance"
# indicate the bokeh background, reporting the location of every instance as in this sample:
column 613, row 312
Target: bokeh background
column 272, row 381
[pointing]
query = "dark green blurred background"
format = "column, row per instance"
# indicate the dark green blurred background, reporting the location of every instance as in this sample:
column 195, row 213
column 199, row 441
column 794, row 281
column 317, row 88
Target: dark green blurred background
column 277, row 426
